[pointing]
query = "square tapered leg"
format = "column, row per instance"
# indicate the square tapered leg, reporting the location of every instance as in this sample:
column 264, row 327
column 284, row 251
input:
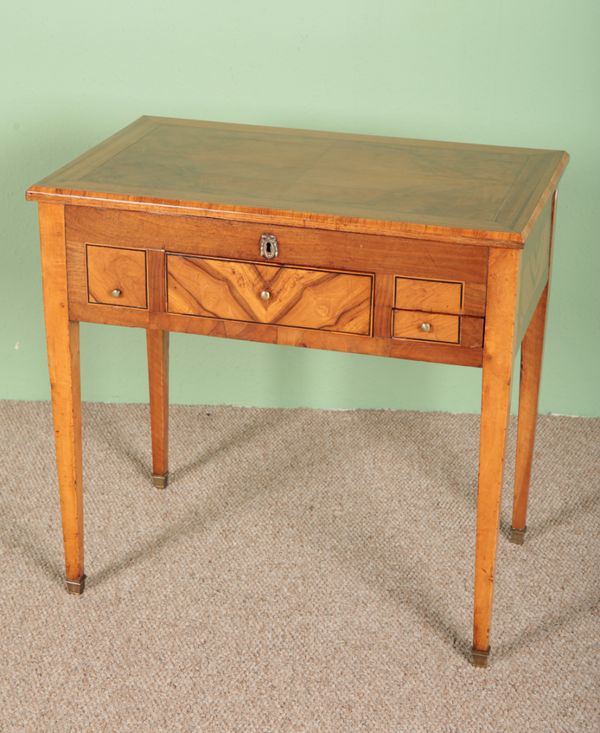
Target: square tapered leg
column 531, row 365
column 158, row 379
column 62, row 338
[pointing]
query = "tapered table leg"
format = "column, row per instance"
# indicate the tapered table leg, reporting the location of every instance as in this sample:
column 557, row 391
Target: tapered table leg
column 158, row 378
column 62, row 338
column 495, row 405
column 531, row 364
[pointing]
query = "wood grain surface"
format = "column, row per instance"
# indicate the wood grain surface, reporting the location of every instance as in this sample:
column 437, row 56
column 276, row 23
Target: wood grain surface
column 442, row 327
column 112, row 270
column 532, row 348
column 62, row 338
column 535, row 268
column 286, row 296
column 157, row 346
column 285, row 335
column 428, row 295
column 433, row 190
column 386, row 246
column 297, row 246
column 498, row 357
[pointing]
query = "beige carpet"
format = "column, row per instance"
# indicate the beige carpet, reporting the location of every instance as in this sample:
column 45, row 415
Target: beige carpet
column 305, row 571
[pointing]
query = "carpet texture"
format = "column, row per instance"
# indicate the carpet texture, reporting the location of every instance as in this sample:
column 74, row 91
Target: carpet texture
column 304, row 571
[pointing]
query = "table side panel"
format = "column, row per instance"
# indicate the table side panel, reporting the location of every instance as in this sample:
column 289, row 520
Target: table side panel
column 535, row 267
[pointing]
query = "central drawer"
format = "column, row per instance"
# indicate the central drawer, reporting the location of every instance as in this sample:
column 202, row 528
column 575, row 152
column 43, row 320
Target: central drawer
column 301, row 297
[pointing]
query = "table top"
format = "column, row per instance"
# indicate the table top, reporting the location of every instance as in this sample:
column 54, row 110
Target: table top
column 456, row 192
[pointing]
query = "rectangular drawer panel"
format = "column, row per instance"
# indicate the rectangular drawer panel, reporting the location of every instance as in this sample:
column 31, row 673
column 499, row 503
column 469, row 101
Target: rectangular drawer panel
column 426, row 326
column 116, row 276
column 275, row 294
column 428, row 295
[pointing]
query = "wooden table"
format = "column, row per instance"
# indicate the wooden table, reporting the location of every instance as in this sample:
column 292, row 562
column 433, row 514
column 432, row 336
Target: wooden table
column 376, row 245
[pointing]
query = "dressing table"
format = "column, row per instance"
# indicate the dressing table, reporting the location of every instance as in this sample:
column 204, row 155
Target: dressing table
column 400, row 248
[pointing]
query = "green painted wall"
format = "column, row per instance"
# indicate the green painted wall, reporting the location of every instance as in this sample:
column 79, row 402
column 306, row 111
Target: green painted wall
column 517, row 72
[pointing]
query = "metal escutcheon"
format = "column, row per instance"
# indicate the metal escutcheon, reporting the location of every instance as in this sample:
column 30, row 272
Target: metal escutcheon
column 269, row 247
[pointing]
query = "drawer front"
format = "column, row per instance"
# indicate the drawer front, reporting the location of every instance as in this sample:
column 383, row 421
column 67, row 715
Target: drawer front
column 116, row 276
column 273, row 294
column 441, row 328
column 435, row 296
column 421, row 326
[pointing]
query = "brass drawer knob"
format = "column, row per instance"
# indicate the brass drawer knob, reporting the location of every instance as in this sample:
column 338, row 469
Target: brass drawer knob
column 116, row 293
column 265, row 294
column 425, row 327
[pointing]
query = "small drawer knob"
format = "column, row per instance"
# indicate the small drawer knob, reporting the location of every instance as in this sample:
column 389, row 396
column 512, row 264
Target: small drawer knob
column 425, row 327
column 265, row 294
column 116, row 293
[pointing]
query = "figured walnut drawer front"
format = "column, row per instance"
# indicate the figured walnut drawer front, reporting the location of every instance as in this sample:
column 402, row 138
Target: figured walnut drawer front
column 428, row 295
column 116, row 276
column 281, row 295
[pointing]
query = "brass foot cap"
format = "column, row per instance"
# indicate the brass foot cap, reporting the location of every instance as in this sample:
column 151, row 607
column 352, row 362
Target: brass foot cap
column 517, row 536
column 479, row 658
column 75, row 586
column 160, row 480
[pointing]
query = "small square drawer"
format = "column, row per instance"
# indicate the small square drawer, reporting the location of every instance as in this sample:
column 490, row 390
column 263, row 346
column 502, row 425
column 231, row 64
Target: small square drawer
column 436, row 296
column 422, row 326
column 116, row 276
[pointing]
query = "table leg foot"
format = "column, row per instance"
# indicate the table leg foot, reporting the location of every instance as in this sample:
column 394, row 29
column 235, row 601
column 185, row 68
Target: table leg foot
column 76, row 587
column 517, row 536
column 479, row 658
column 160, row 481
